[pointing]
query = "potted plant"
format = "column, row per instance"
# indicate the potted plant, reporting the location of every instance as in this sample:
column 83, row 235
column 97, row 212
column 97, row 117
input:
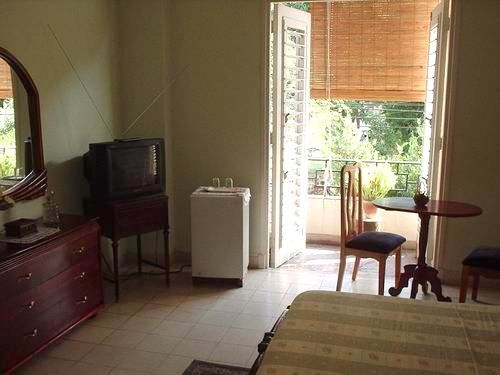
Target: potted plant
column 377, row 181
column 421, row 197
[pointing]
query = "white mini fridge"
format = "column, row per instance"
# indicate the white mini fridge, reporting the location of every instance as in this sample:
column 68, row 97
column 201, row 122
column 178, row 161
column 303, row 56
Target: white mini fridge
column 220, row 233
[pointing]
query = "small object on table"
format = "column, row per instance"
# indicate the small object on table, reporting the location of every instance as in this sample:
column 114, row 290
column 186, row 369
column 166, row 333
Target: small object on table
column 420, row 200
column 421, row 272
column 20, row 228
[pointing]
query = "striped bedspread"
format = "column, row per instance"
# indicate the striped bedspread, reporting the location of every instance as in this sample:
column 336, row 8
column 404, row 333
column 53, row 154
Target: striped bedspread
column 340, row 333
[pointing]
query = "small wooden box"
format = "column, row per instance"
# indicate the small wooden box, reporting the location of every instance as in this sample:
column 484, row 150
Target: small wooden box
column 20, row 228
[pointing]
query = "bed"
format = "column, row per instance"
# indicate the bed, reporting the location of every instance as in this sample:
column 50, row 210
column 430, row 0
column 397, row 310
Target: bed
column 342, row 333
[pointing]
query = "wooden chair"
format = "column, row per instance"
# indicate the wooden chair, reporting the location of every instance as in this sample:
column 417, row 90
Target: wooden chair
column 483, row 261
column 355, row 242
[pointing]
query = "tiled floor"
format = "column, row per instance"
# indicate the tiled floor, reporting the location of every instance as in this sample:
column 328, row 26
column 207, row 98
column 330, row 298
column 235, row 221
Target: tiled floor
column 155, row 330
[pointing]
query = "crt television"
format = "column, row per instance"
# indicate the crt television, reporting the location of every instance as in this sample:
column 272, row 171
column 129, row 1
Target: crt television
column 125, row 168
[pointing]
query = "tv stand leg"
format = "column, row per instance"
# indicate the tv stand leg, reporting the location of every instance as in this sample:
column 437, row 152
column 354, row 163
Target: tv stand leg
column 167, row 256
column 139, row 254
column 116, row 270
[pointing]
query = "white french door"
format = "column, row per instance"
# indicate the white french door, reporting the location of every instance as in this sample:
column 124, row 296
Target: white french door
column 290, row 90
column 432, row 156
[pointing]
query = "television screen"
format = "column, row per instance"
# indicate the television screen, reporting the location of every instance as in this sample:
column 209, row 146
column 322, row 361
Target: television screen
column 133, row 168
column 125, row 168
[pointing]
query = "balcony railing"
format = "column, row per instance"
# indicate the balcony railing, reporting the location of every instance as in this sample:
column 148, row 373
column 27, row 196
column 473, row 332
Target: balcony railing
column 324, row 175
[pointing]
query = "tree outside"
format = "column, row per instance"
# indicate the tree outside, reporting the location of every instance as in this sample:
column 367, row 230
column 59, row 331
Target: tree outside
column 7, row 138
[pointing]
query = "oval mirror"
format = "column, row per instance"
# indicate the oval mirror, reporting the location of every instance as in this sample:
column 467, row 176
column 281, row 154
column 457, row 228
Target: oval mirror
column 22, row 171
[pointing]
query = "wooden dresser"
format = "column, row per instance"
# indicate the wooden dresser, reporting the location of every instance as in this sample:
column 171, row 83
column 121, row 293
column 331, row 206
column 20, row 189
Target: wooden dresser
column 47, row 289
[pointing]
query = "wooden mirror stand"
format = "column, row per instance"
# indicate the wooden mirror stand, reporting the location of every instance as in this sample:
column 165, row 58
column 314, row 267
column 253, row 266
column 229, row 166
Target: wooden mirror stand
column 33, row 185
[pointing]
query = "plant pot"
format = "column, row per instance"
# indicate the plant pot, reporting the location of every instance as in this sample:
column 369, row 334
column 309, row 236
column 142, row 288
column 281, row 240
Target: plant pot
column 369, row 210
column 420, row 200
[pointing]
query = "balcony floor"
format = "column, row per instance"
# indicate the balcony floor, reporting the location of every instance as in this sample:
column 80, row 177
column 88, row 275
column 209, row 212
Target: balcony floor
column 325, row 259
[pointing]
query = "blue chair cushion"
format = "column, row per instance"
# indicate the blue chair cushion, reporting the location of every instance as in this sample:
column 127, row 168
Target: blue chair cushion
column 379, row 242
column 484, row 257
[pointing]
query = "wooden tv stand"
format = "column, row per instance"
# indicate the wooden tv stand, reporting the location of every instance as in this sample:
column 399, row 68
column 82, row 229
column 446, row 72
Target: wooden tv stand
column 132, row 217
column 47, row 288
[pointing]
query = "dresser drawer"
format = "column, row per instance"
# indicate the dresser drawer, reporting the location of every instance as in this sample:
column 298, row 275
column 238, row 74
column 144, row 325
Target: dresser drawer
column 50, row 261
column 137, row 218
column 32, row 303
column 24, row 339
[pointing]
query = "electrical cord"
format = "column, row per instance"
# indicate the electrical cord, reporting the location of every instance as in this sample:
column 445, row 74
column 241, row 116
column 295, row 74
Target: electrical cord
column 133, row 274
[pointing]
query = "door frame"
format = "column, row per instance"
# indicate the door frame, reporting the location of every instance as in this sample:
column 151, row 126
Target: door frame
column 448, row 111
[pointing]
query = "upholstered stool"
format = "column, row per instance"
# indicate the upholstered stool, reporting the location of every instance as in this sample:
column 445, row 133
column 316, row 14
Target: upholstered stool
column 483, row 261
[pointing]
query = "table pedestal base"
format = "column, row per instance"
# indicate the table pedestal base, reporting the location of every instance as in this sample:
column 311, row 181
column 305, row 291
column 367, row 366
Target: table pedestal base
column 421, row 274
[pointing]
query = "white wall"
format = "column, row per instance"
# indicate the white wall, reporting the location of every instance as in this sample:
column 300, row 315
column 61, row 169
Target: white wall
column 69, row 47
column 217, row 68
column 475, row 167
column 144, row 91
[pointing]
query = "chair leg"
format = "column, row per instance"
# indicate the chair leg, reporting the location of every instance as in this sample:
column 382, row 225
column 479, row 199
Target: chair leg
column 398, row 267
column 475, row 285
column 341, row 272
column 463, row 285
column 356, row 268
column 381, row 275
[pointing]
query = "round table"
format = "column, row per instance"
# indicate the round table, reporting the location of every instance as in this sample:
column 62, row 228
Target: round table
column 421, row 272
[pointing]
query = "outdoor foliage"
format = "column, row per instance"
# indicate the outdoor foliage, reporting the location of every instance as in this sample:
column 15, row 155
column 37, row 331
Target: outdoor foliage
column 377, row 181
column 7, row 137
column 360, row 130
column 300, row 6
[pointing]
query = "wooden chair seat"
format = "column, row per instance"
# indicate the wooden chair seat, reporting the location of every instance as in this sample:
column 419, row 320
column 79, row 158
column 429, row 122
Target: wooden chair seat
column 483, row 261
column 379, row 242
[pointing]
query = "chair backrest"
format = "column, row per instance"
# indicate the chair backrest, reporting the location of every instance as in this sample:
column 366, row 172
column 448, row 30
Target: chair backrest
column 351, row 198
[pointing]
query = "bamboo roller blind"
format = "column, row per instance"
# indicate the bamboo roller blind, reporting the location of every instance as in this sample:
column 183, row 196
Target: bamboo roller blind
column 370, row 49
column 5, row 80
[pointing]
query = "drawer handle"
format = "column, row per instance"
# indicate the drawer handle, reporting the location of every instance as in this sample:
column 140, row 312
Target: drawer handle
column 79, row 251
column 32, row 333
column 82, row 301
column 30, row 305
column 25, row 277
column 81, row 276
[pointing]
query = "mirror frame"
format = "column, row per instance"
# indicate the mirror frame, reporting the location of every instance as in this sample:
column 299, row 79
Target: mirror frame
column 33, row 185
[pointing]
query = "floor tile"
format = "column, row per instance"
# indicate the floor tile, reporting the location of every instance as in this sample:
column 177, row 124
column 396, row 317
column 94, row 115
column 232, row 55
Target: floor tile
column 105, row 355
column 127, row 308
column 159, row 343
column 254, row 322
column 229, row 305
column 219, row 318
column 141, row 324
column 119, row 371
column 173, row 365
column 43, row 365
column 264, row 309
column 155, row 311
column 207, row 332
column 90, row 334
column 124, row 339
column 186, row 314
column 82, row 368
column 68, row 349
column 268, row 297
column 195, row 349
column 141, row 361
column 231, row 353
column 237, row 294
column 174, row 329
column 108, row 320
column 245, row 337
